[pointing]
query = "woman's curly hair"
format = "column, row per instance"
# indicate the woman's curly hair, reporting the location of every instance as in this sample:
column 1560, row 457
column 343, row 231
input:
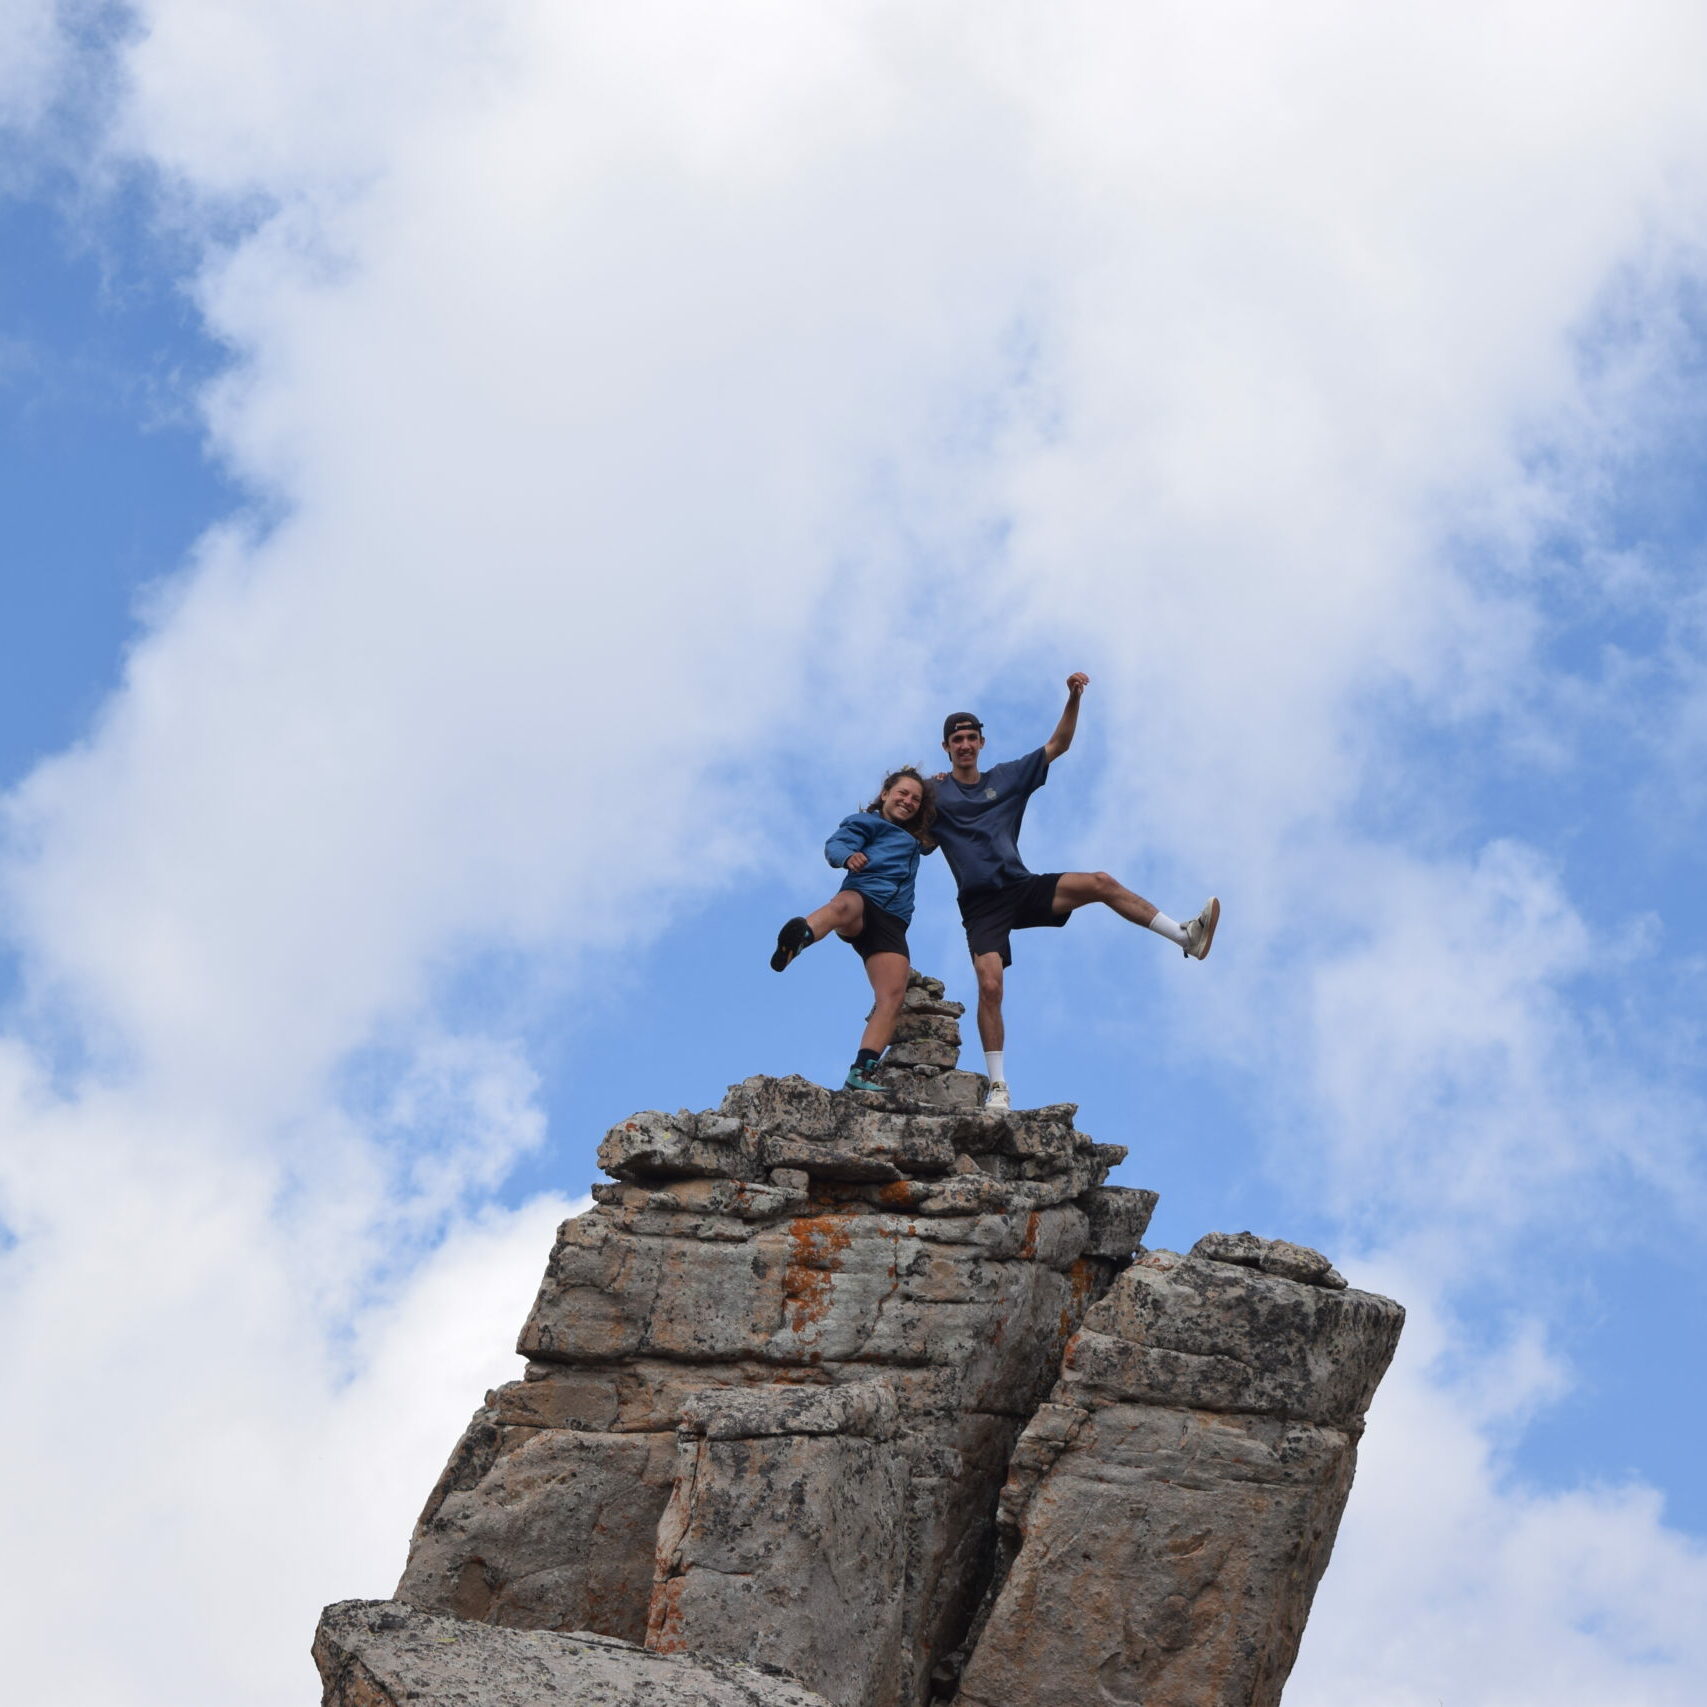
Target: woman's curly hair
column 922, row 820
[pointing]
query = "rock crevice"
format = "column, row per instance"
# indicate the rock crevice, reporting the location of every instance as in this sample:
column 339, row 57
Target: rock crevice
column 823, row 1381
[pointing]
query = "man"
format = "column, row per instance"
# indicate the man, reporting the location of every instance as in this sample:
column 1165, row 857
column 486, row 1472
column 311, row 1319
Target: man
column 977, row 826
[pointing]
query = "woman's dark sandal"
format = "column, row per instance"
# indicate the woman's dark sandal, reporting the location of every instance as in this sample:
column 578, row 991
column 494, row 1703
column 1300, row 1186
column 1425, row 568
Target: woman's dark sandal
column 790, row 940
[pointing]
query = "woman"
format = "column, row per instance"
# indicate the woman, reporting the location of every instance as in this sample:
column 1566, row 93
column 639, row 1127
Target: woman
column 880, row 848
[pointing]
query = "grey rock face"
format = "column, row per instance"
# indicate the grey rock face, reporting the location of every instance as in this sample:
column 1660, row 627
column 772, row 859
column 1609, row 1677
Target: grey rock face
column 1170, row 1511
column 883, row 1390
column 776, row 1373
column 655, row 1146
column 1272, row 1256
column 557, row 1532
column 1211, row 1336
column 1118, row 1216
column 380, row 1653
column 785, row 1538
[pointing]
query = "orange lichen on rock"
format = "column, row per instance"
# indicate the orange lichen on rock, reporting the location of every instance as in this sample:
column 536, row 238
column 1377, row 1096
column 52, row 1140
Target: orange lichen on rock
column 664, row 1631
column 816, row 1245
column 1028, row 1245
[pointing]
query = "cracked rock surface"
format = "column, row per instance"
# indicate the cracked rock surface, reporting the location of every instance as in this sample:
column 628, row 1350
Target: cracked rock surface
column 380, row 1653
column 1170, row 1510
column 824, row 1379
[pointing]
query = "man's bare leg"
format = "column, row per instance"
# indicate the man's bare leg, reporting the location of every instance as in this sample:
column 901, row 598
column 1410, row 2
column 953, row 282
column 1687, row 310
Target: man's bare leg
column 1080, row 888
column 991, row 1031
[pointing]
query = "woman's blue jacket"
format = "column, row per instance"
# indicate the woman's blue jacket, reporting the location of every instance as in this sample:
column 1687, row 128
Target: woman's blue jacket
column 892, row 859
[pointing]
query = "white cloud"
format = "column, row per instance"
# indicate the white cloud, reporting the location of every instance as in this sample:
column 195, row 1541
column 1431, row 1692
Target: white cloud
column 233, row 1413
column 1454, row 1581
column 30, row 48
column 620, row 382
column 1450, row 1067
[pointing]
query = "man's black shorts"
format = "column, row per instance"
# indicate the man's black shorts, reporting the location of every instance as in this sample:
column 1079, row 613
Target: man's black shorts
column 989, row 914
column 882, row 933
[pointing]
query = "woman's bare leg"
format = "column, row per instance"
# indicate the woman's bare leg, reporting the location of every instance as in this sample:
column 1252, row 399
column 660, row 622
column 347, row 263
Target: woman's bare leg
column 888, row 975
column 843, row 913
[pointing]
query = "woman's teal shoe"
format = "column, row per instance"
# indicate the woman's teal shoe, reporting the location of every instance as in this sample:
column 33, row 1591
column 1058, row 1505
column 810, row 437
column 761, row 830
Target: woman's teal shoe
column 860, row 1079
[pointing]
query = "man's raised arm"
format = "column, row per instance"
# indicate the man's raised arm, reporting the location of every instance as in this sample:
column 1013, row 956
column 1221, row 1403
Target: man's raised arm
column 1062, row 739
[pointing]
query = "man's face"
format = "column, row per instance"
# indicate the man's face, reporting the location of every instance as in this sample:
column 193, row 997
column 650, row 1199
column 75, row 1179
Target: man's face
column 963, row 748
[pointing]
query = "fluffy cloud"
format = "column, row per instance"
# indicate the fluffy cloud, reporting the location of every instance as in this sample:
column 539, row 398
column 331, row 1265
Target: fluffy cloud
column 1454, row 1581
column 615, row 383
column 237, row 1392
column 29, row 59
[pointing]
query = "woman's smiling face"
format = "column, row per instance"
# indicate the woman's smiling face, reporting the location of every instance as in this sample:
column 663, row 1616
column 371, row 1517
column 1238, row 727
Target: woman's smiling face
column 901, row 803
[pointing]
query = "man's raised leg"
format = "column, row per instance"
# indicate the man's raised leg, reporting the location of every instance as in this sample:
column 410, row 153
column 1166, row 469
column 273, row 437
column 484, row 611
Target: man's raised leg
column 1081, row 888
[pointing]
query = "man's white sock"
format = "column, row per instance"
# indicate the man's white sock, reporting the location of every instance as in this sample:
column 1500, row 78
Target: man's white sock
column 993, row 1064
column 1162, row 925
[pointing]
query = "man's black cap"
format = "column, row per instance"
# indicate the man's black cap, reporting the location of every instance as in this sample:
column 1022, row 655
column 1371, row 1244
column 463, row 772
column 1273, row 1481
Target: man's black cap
column 960, row 720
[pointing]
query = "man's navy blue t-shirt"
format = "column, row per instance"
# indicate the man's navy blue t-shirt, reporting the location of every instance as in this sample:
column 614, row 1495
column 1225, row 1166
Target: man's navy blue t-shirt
column 977, row 825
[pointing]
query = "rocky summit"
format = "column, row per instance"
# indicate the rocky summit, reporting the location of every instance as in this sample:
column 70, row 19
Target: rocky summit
column 877, row 1400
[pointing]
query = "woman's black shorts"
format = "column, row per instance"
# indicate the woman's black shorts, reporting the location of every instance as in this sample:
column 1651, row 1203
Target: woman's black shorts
column 990, row 914
column 882, row 932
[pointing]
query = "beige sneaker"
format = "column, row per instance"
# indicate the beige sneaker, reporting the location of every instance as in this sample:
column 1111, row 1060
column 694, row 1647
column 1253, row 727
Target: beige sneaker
column 1200, row 932
column 996, row 1097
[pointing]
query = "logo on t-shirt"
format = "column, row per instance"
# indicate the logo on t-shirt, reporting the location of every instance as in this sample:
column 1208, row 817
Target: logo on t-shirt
column 989, row 794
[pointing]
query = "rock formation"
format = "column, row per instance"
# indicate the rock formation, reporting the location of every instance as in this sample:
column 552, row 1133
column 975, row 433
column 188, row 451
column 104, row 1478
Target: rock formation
column 1170, row 1510
column 874, row 1389
column 380, row 1653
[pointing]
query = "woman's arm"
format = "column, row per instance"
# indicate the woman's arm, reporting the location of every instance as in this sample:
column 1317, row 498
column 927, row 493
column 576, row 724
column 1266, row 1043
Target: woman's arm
column 846, row 844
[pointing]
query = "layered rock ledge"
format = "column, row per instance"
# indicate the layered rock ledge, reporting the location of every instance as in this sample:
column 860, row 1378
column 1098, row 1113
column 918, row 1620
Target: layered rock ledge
column 380, row 1653
column 824, row 1379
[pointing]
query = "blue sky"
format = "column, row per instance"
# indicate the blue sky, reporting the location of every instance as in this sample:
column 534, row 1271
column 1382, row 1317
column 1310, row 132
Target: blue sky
column 467, row 540
column 106, row 483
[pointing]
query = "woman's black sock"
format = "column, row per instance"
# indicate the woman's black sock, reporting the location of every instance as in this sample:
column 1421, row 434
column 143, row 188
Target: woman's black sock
column 868, row 1057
